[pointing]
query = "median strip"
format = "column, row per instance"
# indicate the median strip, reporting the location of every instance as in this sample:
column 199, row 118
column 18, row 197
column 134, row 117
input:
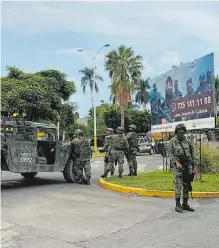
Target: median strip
column 160, row 184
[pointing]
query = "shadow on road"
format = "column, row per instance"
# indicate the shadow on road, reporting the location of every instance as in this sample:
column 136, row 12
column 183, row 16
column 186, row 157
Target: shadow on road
column 23, row 183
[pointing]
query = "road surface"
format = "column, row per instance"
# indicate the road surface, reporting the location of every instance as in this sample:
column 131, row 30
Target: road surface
column 48, row 213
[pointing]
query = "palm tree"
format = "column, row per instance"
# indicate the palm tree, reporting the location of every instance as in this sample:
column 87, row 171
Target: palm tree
column 124, row 69
column 142, row 96
column 89, row 80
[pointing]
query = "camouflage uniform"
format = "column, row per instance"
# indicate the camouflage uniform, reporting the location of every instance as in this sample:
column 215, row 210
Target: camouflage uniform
column 133, row 148
column 85, row 156
column 119, row 145
column 107, row 148
column 74, row 154
column 181, row 150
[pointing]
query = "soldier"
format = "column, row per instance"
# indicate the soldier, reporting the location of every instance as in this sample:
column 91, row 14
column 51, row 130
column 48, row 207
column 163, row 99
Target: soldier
column 133, row 149
column 155, row 99
column 177, row 94
column 107, row 148
column 182, row 160
column 85, row 156
column 203, row 86
column 119, row 145
column 74, row 154
column 209, row 81
column 189, row 87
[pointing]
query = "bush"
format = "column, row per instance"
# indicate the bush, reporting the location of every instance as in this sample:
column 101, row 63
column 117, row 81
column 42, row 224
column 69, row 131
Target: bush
column 210, row 157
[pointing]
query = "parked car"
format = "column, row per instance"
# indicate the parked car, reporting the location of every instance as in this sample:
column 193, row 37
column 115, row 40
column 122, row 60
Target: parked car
column 100, row 144
column 145, row 146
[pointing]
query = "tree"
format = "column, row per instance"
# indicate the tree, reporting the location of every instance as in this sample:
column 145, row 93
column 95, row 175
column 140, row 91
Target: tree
column 142, row 95
column 67, row 118
column 88, row 79
column 142, row 119
column 124, row 69
column 39, row 95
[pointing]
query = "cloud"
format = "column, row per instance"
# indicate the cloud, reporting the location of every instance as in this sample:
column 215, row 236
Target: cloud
column 169, row 59
column 148, row 20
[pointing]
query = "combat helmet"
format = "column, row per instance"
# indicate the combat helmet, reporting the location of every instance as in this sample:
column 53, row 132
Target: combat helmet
column 120, row 130
column 132, row 127
column 77, row 131
column 109, row 130
column 180, row 126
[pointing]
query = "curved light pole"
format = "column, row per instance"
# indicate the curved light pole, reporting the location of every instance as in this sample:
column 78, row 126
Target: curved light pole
column 94, row 106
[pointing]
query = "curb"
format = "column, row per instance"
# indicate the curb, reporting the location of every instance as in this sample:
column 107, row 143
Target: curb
column 101, row 155
column 98, row 155
column 152, row 193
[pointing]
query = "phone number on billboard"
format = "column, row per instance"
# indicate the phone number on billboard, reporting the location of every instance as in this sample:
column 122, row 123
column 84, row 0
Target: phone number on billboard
column 192, row 103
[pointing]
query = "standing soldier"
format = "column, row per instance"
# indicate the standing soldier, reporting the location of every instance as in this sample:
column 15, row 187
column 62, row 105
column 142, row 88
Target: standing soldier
column 119, row 146
column 133, row 149
column 182, row 160
column 85, row 156
column 74, row 154
column 107, row 148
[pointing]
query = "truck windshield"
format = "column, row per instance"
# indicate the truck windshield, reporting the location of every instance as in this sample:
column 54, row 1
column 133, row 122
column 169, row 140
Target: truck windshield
column 25, row 133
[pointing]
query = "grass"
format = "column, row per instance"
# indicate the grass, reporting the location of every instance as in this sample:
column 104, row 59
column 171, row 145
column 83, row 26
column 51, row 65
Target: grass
column 163, row 180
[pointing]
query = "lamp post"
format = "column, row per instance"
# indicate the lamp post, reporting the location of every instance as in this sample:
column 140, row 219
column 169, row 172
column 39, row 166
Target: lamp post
column 94, row 106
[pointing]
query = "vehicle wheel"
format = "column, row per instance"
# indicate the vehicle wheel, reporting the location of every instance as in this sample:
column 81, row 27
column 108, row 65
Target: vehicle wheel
column 68, row 173
column 29, row 174
column 151, row 151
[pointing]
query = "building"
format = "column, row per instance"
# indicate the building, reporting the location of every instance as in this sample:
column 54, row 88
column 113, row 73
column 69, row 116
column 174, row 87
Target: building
column 83, row 121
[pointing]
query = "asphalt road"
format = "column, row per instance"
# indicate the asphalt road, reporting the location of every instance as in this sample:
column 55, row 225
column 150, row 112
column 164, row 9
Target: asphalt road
column 48, row 213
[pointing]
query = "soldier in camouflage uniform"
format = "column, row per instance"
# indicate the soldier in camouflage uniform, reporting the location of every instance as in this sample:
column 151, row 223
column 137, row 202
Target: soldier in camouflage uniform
column 133, row 149
column 85, row 156
column 107, row 148
column 74, row 154
column 182, row 160
column 119, row 146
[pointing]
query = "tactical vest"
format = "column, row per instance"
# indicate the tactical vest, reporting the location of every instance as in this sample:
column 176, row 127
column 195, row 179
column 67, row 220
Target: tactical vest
column 118, row 141
column 85, row 149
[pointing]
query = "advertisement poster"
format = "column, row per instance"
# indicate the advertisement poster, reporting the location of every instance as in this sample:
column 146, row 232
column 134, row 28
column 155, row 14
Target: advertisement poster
column 185, row 94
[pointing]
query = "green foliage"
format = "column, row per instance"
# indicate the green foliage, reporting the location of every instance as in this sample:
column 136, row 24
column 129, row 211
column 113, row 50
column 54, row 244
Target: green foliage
column 125, row 71
column 210, row 157
column 39, row 95
column 87, row 80
column 142, row 95
column 163, row 180
column 79, row 126
column 141, row 119
column 217, row 121
column 67, row 118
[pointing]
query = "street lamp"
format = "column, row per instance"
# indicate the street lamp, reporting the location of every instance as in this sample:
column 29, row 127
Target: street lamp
column 94, row 106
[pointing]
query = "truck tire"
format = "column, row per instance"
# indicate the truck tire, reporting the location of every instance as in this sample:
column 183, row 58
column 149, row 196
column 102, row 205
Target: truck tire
column 68, row 173
column 29, row 174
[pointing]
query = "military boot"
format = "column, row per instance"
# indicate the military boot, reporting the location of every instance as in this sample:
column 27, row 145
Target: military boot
column 186, row 206
column 130, row 173
column 120, row 175
column 88, row 181
column 104, row 175
column 135, row 173
column 178, row 207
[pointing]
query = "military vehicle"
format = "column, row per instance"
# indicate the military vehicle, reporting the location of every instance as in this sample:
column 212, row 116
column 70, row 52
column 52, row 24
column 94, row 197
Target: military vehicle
column 29, row 147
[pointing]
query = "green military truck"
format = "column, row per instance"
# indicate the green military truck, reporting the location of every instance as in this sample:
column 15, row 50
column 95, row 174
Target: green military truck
column 29, row 147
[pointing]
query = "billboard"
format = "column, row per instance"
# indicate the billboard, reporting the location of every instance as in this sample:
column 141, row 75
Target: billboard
column 185, row 94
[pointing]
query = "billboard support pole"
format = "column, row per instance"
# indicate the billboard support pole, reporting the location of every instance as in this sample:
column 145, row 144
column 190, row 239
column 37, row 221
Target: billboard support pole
column 163, row 151
column 166, row 151
column 200, row 156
